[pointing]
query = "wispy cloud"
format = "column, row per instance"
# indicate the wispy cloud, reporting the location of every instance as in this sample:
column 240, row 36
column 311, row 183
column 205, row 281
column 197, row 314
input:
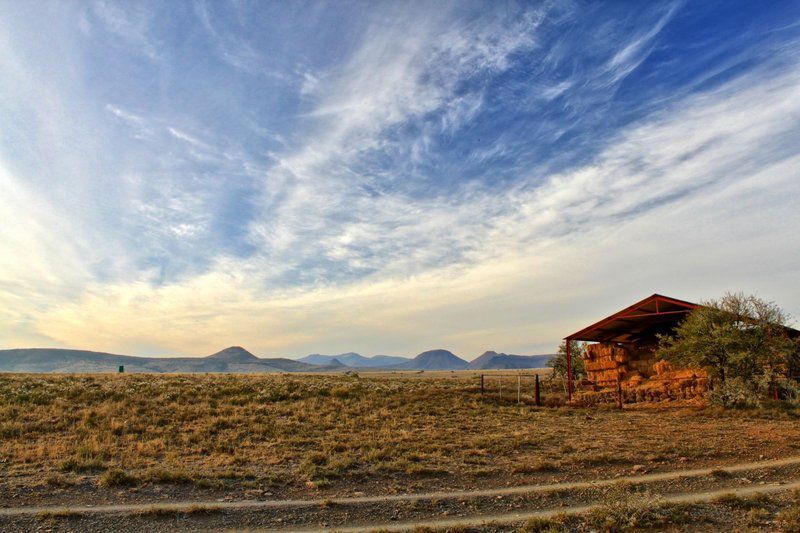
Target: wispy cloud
column 178, row 134
column 642, row 185
column 128, row 21
column 634, row 52
column 233, row 49
column 424, row 175
column 329, row 207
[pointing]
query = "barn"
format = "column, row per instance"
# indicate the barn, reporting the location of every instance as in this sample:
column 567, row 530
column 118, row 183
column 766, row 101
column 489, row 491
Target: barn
column 626, row 342
column 622, row 353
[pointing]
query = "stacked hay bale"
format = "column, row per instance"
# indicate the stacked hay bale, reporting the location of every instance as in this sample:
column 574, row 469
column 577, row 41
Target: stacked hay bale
column 605, row 363
column 671, row 384
column 641, row 377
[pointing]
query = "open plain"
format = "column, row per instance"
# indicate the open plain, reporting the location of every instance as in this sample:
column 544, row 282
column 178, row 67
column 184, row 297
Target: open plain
column 226, row 451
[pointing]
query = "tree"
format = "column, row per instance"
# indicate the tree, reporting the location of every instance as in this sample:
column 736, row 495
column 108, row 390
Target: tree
column 738, row 336
column 559, row 362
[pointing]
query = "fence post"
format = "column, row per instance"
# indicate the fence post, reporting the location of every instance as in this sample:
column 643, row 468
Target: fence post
column 536, row 396
column 482, row 385
column 519, row 398
column 500, row 388
column 619, row 392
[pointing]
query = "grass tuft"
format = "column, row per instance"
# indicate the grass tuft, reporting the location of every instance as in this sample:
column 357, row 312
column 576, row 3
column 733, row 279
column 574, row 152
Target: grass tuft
column 59, row 480
column 166, row 476
column 541, row 525
column 60, row 513
column 624, row 510
column 790, row 518
column 116, row 477
column 738, row 502
column 82, row 466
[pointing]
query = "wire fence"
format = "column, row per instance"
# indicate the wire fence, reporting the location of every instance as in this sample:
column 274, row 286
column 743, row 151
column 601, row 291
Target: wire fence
column 545, row 389
column 527, row 388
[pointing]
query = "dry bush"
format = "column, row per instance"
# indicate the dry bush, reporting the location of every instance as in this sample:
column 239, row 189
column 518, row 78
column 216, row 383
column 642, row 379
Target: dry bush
column 116, row 477
column 59, row 480
column 623, row 510
column 758, row 516
column 541, row 525
column 737, row 502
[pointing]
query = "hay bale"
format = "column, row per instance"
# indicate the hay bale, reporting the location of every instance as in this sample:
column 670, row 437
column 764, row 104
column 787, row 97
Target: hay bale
column 641, row 376
column 661, row 367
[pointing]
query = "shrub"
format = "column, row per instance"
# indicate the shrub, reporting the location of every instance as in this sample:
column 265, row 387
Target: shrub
column 735, row 392
column 738, row 336
column 559, row 362
column 789, row 390
column 116, row 477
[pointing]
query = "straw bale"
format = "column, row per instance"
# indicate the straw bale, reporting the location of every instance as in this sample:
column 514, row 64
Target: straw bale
column 641, row 376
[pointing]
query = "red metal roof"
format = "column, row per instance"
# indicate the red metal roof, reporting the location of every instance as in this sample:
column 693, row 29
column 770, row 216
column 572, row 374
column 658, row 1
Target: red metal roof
column 642, row 320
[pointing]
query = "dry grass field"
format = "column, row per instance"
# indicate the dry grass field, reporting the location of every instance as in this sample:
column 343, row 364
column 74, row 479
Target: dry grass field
column 104, row 438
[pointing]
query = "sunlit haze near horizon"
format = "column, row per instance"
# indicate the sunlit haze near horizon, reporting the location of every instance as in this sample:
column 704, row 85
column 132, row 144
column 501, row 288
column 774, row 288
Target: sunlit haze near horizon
column 387, row 177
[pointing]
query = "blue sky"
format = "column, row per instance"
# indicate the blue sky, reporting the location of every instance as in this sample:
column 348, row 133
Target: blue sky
column 387, row 177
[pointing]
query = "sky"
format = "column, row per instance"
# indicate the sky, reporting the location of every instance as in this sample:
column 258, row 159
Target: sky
column 388, row 177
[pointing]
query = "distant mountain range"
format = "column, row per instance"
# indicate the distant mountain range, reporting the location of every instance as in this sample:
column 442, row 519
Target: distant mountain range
column 234, row 359
column 432, row 360
column 238, row 360
column 355, row 360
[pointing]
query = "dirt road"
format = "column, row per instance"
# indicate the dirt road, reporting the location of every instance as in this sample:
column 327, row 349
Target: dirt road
column 399, row 512
column 515, row 518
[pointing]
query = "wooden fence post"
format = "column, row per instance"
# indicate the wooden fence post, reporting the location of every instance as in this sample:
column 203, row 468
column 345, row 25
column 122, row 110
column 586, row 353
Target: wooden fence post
column 482, row 390
column 519, row 384
column 537, row 399
column 619, row 392
column 500, row 388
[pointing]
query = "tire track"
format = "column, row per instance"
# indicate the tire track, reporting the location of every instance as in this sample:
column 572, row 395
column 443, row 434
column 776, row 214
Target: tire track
column 517, row 517
column 390, row 498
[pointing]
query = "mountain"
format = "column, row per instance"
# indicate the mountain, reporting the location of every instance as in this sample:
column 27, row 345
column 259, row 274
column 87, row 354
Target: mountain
column 347, row 359
column 435, row 360
column 355, row 360
column 234, row 359
column 494, row 360
column 388, row 360
column 234, row 354
column 56, row 360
